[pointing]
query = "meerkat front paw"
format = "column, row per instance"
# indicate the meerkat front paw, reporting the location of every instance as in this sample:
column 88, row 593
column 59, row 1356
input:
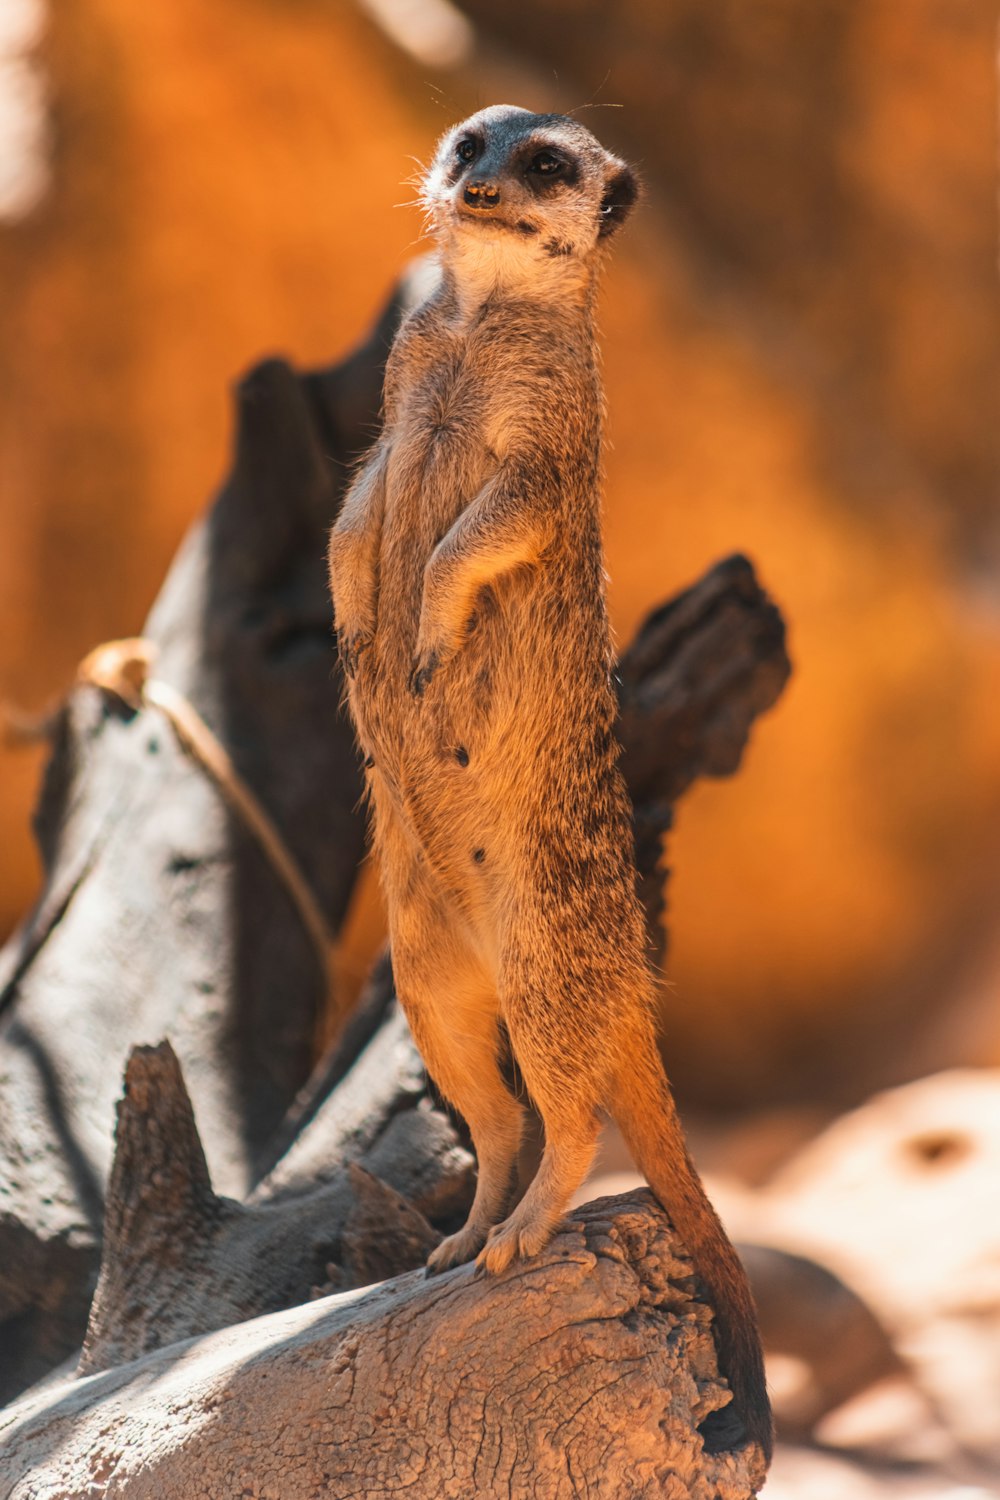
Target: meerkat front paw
column 423, row 671
column 351, row 646
column 456, row 1250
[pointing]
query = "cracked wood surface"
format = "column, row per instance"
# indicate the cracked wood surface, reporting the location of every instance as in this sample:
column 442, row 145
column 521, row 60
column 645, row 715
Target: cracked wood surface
column 583, row 1373
column 160, row 915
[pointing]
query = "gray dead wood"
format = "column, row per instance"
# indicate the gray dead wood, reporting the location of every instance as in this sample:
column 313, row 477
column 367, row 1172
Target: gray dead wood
column 178, row 1260
column 587, row 1372
column 159, row 914
column 374, row 1176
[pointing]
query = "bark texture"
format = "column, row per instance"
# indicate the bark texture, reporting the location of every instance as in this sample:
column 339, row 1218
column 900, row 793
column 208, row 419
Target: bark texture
column 587, row 1372
column 700, row 670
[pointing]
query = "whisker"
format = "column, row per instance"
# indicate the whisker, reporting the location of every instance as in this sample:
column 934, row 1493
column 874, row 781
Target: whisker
column 420, row 240
column 440, row 101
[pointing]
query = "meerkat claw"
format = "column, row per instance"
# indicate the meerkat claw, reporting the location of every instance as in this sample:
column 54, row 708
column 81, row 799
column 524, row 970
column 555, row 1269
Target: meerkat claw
column 351, row 649
column 496, row 1256
column 423, row 671
column 502, row 1247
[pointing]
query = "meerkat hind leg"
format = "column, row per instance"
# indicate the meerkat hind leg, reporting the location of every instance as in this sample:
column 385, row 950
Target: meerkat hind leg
column 495, row 1122
column 452, row 1015
column 496, row 1135
column 571, row 1126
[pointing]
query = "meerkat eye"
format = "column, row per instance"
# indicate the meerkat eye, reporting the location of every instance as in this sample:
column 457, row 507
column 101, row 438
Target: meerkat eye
column 546, row 164
column 467, row 149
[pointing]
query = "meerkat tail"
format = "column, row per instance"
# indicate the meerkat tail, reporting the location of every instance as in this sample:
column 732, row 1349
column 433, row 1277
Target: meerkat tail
column 643, row 1108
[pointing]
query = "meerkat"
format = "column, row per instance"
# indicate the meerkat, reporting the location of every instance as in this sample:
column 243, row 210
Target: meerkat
column 468, row 583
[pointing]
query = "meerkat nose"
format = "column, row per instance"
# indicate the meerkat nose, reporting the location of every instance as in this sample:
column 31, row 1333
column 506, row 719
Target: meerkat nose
column 482, row 194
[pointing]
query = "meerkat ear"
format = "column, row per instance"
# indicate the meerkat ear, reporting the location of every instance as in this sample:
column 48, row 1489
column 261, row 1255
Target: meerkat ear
column 620, row 193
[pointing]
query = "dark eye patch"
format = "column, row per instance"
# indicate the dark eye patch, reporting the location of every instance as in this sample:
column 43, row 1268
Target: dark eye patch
column 465, row 151
column 545, row 166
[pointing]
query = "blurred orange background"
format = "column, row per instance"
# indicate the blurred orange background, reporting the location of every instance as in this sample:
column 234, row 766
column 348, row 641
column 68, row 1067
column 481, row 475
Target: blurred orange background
column 801, row 362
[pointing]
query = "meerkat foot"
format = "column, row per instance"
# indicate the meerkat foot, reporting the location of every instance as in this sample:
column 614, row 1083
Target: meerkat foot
column 512, row 1240
column 456, row 1250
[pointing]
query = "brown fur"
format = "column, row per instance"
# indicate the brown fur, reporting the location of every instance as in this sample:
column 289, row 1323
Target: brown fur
column 467, row 574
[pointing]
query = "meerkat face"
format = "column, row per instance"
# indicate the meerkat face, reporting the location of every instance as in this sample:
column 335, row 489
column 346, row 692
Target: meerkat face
column 516, row 197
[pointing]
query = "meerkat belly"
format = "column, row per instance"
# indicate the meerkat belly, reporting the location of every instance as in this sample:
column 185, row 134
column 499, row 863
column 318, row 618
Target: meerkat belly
column 493, row 779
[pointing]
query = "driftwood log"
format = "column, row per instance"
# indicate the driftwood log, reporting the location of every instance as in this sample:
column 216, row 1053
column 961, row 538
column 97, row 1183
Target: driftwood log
column 700, row 669
column 274, row 1181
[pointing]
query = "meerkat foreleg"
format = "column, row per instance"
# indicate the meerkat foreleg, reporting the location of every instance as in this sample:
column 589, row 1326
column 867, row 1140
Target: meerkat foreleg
column 502, row 528
column 353, row 561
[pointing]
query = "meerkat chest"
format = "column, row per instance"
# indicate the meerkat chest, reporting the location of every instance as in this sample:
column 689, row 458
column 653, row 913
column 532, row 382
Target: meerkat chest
column 445, row 443
column 442, row 414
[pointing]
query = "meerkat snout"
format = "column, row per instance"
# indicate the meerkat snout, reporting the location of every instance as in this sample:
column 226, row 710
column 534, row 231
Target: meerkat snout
column 482, row 195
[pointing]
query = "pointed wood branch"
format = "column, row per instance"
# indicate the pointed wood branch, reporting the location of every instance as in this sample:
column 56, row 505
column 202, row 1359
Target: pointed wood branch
column 178, row 1260
column 699, row 672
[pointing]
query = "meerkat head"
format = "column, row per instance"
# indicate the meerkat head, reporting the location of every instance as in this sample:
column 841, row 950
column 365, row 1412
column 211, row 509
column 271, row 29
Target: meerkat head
column 519, row 200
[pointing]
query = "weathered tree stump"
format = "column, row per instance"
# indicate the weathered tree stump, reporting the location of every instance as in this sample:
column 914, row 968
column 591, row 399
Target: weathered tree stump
column 160, row 915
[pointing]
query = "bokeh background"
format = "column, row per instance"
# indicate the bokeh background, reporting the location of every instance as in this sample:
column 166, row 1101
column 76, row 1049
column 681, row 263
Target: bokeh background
column 801, row 358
